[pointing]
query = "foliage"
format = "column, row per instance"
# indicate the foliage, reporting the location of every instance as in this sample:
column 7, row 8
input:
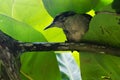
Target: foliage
column 25, row 20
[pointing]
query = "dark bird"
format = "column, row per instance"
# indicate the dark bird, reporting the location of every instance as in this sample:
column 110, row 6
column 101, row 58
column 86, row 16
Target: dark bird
column 73, row 24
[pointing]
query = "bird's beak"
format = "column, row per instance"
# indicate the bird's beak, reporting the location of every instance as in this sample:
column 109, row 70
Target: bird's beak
column 50, row 26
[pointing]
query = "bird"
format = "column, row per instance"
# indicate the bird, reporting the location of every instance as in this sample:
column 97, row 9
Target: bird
column 74, row 25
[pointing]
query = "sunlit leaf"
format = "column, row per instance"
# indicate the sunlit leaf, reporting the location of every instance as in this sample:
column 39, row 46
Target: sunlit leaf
column 68, row 67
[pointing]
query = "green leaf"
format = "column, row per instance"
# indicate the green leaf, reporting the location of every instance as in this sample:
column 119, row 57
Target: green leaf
column 68, row 67
column 40, row 66
column 19, row 30
column 6, row 7
column 80, row 6
column 108, row 6
column 104, row 29
column 96, row 66
column 33, row 13
column 102, row 4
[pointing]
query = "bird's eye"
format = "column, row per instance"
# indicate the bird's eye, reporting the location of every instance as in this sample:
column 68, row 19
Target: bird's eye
column 66, row 31
column 62, row 19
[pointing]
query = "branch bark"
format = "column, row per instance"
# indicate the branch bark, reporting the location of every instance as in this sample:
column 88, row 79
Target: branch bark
column 10, row 50
column 82, row 47
column 9, row 60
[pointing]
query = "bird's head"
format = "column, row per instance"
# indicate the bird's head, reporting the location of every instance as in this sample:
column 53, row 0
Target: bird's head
column 60, row 19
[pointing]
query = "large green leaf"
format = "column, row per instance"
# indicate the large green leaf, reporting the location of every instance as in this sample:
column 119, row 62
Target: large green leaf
column 99, row 67
column 81, row 6
column 33, row 13
column 104, row 29
column 102, row 4
column 34, row 65
column 40, row 66
column 28, row 11
column 19, row 30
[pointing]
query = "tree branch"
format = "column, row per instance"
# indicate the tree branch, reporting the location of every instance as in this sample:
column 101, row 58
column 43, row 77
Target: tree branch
column 86, row 47
column 9, row 60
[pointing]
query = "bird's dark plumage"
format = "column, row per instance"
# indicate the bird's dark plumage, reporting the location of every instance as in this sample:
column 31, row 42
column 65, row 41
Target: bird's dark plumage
column 64, row 15
column 73, row 24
